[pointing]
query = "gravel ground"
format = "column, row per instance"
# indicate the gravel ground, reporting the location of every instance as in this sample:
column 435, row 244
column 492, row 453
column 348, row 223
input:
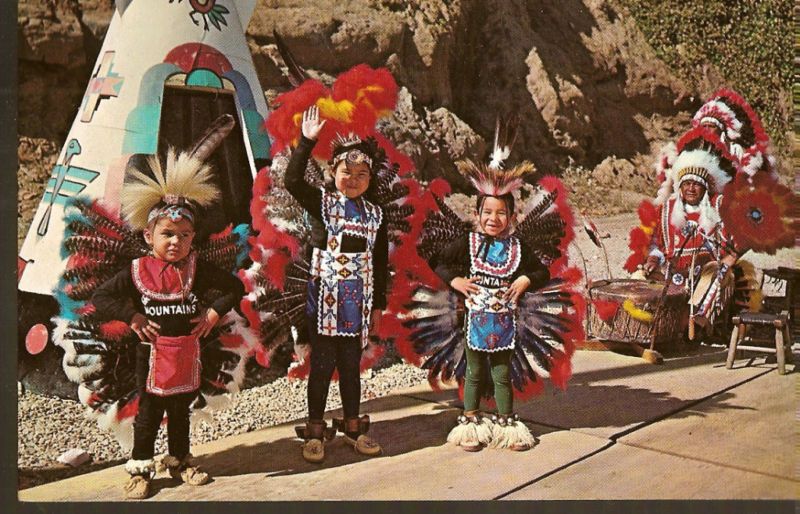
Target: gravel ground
column 49, row 426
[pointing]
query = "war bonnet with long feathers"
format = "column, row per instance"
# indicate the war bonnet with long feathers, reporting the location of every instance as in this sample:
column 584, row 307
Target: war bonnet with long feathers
column 177, row 188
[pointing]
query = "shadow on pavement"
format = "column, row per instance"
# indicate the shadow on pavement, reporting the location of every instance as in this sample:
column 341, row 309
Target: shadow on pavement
column 283, row 456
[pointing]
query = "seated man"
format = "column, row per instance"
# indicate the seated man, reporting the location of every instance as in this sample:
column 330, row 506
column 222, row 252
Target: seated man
column 689, row 232
column 689, row 246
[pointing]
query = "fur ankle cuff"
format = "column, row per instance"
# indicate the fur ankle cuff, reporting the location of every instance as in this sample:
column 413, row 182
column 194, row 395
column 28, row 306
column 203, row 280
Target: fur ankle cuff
column 140, row 467
column 512, row 434
column 470, row 430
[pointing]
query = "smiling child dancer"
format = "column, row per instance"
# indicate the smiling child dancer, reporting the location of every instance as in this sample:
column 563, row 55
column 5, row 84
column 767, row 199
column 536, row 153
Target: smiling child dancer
column 491, row 268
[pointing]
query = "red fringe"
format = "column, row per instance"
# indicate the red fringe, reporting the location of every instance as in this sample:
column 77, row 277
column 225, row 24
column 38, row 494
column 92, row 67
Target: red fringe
column 633, row 262
column 648, row 214
column 114, row 330
column 606, row 309
column 404, row 163
column 439, row 187
column 262, row 357
column 231, row 340
column 301, row 371
column 251, row 314
column 550, row 183
column 282, row 124
column 531, row 389
column 639, row 240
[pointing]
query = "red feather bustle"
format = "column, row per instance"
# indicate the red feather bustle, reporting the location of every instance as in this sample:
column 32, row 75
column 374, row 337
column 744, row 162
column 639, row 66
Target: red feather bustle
column 550, row 183
column 358, row 98
column 640, row 238
column 760, row 213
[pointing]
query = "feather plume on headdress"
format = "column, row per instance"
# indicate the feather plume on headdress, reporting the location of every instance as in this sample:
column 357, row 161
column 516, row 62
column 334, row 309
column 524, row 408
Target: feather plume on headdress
column 494, row 181
column 491, row 179
column 182, row 177
column 182, row 184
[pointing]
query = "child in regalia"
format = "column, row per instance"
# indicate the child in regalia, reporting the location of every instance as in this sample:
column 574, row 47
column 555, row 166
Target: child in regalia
column 491, row 268
column 520, row 325
column 347, row 283
column 171, row 299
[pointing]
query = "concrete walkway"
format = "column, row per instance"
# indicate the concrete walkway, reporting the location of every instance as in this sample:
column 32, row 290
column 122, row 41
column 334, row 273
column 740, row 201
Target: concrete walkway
column 623, row 430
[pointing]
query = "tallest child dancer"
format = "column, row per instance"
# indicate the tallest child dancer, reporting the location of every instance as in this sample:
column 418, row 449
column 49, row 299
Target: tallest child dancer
column 347, row 283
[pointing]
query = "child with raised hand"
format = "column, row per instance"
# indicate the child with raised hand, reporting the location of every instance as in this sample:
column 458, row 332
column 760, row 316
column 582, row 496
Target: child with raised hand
column 347, row 287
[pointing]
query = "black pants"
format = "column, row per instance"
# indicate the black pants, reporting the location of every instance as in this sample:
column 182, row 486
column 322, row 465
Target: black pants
column 329, row 353
column 151, row 413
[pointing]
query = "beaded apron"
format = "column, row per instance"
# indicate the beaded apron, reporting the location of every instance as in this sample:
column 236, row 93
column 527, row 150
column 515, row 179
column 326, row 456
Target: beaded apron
column 491, row 320
column 346, row 279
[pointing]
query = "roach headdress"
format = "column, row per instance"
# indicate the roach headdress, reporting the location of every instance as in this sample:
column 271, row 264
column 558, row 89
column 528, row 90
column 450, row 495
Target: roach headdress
column 178, row 187
column 491, row 179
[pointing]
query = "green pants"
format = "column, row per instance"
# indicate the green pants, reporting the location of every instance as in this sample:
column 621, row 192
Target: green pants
column 499, row 365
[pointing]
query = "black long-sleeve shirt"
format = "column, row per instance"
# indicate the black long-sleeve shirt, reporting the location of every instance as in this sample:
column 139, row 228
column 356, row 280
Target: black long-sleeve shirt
column 454, row 261
column 310, row 198
column 119, row 299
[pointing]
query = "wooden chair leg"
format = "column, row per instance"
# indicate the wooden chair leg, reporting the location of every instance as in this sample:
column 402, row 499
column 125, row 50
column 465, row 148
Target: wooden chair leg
column 787, row 340
column 732, row 347
column 779, row 348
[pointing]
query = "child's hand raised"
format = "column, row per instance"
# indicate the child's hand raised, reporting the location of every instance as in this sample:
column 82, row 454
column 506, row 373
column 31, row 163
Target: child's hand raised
column 311, row 126
column 146, row 330
column 205, row 322
column 516, row 288
column 465, row 286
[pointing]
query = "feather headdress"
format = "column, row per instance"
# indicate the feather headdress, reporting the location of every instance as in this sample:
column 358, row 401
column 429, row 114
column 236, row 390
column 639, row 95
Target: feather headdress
column 740, row 130
column 491, row 179
column 183, row 183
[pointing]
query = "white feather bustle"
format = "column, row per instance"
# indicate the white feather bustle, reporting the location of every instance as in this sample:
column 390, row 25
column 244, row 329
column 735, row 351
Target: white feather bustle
column 140, row 467
column 513, row 434
column 471, row 432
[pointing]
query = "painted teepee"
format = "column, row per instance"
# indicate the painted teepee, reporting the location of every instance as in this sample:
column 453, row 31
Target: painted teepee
column 166, row 69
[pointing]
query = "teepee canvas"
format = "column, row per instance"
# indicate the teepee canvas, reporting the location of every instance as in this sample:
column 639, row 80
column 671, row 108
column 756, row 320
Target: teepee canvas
column 166, row 69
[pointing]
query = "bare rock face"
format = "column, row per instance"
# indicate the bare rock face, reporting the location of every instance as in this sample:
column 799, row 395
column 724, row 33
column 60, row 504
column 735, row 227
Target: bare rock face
column 579, row 74
column 434, row 139
column 416, row 40
column 50, row 32
column 576, row 71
